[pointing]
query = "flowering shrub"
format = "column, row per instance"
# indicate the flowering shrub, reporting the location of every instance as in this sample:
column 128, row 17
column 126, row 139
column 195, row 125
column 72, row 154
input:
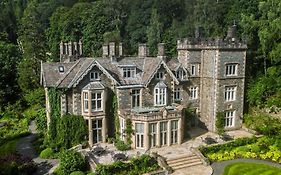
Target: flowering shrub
column 264, row 148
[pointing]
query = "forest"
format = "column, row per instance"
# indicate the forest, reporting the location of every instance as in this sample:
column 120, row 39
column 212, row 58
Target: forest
column 31, row 30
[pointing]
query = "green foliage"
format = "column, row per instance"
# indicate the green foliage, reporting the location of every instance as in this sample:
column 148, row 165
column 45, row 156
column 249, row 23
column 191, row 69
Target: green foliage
column 71, row 131
column 8, row 147
column 71, row 161
column 250, row 169
column 136, row 166
column 264, row 124
column 47, row 153
column 14, row 129
column 220, row 123
column 77, row 173
column 41, row 120
column 116, row 116
column 121, row 145
column 129, row 131
column 35, row 97
column 266, row 148
column 10, row 56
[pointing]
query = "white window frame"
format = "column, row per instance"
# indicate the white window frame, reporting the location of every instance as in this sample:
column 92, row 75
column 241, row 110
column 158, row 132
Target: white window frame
column 160, row 75
column 163, row 133
column 85, row 101
column 160, row 96
column 230, row 93
column 98, row 130
column 139, row 135
column 229, row 118
column 136, row 98
column 97, row 100
column 129, row 72
column 193, row 93
column 180, row 74
column 177, row 94
column 174, row 131
column 94, row 76
column 231, row 69
column 193, row 71
column 122, row 128
column 153, row 134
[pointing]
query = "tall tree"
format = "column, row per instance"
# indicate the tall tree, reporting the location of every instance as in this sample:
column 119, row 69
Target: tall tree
column 154, row 32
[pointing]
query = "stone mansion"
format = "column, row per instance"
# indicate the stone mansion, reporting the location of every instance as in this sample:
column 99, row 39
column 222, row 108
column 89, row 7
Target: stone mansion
column 208, row 75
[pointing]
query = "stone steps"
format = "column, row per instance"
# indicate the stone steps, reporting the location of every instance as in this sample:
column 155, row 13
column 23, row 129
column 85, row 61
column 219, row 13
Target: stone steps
column 184, row 162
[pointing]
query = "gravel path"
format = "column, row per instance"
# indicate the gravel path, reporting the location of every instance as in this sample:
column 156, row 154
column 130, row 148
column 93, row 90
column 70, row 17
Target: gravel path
column 25, row 148
column 218, row 167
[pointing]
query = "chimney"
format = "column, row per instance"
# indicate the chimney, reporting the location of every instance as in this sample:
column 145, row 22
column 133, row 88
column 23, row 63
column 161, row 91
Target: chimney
column 231, row 33
column 120, row 49
column 105, row 50
column 143, row 50
column 75, row 49
column 70, row 49
column 112, row 49
column 161, row 50
column 66, row 48
column 61, row 48
column 80, row 48
column 198, row 32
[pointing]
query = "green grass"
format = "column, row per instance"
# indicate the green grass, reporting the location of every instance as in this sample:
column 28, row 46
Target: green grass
column 9, row 147
column 242, row 168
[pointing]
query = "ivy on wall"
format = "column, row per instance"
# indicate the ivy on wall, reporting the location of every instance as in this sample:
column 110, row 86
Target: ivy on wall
column 54, row 95
column 115, row 116
column 129, row 131
column 220, row 123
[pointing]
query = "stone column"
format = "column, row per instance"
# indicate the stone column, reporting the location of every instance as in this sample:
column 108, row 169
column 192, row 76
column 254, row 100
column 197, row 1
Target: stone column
column 158, row 142
column 146, row 136
column 133, row 145
column 66, row 48
column 90, row 124
column 104, row 130
column 48, row 108
column 180, row 131
column 169, row 132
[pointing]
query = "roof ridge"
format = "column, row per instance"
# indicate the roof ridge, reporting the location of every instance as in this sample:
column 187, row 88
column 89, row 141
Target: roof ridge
column 75, row 77
column 67, row 73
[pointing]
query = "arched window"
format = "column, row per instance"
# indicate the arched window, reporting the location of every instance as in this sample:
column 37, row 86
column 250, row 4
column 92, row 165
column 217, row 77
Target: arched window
column 160, row 94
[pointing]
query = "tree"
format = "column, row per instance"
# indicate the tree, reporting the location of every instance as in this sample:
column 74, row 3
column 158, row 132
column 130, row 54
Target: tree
column 10, row 56
column 154, row 32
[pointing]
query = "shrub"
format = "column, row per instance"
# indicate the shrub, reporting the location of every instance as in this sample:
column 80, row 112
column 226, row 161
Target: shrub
column 71, row 161
column 121, row 145
column 220, row 123
column 71, row 130
column 139, row 165
column 77, row 173
column 16, row 164
column 47, row 153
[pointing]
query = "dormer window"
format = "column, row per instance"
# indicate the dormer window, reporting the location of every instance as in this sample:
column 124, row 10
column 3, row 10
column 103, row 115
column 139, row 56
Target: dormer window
column 180, row 74
column 129, row 72
column 61, row 69
column 94, row 76
column 160, row 75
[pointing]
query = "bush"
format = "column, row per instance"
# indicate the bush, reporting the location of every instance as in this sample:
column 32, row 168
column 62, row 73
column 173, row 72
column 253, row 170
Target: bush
column 47, row 153
column 139, row 165
column 16, row 165
column 121, row 145
column 71, row 130
column 71, row 161
column 77, row 173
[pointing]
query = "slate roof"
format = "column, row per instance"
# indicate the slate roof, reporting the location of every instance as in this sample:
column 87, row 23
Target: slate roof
column 75, row 71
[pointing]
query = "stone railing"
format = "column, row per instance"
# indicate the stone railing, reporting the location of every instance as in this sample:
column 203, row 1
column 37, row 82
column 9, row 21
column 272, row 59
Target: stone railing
column 204, row 160
column 162, row 163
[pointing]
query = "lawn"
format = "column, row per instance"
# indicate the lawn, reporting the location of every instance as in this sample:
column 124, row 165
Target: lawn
column 242, row 168
column 8, row 147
